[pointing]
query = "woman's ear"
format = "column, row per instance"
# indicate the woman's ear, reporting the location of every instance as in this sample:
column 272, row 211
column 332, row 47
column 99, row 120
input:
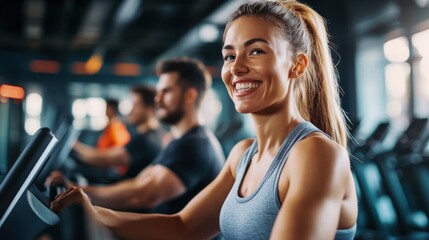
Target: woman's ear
column 300, row 66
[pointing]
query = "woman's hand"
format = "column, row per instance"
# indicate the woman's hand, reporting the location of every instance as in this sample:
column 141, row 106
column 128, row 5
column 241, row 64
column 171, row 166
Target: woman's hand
column 73, row 195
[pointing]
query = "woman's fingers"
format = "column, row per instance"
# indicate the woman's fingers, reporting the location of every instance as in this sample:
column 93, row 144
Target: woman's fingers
column 72, row 196
column 55, row 205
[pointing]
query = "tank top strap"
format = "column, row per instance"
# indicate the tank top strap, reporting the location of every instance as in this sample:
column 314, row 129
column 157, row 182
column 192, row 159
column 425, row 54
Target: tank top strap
column 301, row 131
column 247, row 156
column 297, row 134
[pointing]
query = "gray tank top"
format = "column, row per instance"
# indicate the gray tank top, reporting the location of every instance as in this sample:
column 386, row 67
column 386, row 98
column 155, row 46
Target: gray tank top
column 253, row 216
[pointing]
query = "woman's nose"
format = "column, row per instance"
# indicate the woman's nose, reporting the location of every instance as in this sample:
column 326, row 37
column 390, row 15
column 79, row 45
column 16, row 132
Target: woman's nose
column 239, row 66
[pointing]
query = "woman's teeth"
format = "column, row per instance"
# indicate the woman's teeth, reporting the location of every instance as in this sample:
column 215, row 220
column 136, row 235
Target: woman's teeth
column 246, row 86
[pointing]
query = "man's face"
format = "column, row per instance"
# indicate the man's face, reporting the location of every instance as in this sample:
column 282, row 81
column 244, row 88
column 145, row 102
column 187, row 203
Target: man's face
column 138, row 113
column 110, row 111
column 169, row 99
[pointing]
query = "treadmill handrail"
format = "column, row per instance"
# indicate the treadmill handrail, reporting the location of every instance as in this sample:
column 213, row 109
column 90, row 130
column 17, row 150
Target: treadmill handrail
column 24, row 170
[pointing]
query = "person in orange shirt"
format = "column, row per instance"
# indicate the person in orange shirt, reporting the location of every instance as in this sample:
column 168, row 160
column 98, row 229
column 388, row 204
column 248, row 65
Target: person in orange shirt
column 142, row 148
column 115, row 134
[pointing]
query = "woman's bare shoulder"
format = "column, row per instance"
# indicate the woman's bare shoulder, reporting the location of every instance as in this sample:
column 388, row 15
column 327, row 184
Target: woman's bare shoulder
column 321, row 153
column 318, row 144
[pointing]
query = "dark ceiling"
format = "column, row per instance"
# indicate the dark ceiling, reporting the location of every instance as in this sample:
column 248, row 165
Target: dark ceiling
column 143, row 31
column 140, row 30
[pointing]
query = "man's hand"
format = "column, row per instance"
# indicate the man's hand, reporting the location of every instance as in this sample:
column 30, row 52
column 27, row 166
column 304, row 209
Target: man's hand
column 58, row 178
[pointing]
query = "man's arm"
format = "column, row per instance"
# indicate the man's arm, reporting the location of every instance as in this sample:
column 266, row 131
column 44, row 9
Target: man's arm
column 102, row 158
column 153, row 186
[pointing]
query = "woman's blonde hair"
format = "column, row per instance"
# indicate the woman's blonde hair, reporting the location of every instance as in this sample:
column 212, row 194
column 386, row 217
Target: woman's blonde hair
column 316, row 91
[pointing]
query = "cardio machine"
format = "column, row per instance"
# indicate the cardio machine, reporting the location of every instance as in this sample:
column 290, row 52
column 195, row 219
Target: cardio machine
column 17, row 222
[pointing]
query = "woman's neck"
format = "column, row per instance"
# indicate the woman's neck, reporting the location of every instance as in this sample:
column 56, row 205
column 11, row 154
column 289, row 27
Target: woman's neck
column 271, row 129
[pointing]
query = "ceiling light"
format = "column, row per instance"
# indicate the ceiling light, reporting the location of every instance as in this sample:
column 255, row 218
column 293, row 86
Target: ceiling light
column 422, row 3
column 208, row 32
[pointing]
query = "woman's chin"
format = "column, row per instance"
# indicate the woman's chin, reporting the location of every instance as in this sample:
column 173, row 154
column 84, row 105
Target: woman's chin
column 243, row 109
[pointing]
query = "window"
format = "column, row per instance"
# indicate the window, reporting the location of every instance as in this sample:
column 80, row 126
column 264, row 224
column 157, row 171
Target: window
column 421, row 73
column 89, row 113
column 33, row 111
column 397, row 78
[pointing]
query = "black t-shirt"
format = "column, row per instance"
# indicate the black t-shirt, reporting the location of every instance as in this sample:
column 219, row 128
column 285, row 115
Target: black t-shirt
column 196, row 158
column 143, row 149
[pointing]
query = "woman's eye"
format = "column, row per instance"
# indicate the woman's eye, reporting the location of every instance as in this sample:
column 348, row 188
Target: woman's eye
column 256, row 52
column 228, row 58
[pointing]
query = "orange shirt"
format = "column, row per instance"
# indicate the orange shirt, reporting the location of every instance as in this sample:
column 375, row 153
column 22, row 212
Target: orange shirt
column 114, row 135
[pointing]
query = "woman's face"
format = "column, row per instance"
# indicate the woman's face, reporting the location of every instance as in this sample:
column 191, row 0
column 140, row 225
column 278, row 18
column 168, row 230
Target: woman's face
column 256, row 65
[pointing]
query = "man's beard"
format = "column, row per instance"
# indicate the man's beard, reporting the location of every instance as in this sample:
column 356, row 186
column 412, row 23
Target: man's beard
column 174, row 116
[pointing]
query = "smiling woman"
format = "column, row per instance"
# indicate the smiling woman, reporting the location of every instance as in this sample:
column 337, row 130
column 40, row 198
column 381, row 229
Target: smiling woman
column 294, row 180
column 283, row 76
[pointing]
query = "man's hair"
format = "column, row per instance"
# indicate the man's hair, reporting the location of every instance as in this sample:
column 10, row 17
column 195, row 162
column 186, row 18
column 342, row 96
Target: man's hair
column 113, row 104
column 192, row 74
column 146, row 93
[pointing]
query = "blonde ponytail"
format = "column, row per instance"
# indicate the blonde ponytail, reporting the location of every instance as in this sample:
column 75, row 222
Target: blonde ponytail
column 317, row 96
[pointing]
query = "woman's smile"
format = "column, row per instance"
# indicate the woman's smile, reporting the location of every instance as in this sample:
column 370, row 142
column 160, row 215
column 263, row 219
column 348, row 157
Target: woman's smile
column 245, row 87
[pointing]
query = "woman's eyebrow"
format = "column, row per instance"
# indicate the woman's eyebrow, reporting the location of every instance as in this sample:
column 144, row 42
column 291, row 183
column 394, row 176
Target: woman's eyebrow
column 247, row 43
column 254, row 40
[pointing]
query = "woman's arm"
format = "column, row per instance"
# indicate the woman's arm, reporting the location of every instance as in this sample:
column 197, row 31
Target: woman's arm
column 198, row 220
column 317, row 178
